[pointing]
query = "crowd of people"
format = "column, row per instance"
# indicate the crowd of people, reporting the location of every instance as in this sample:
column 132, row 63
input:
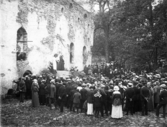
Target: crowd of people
column 98, row 93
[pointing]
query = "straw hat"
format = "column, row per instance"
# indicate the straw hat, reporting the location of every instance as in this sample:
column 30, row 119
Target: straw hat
column 116, row 88
column 163, row 86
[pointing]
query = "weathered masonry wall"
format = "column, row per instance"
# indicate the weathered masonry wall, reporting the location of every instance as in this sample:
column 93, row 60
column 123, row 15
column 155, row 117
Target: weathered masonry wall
column 51, row 26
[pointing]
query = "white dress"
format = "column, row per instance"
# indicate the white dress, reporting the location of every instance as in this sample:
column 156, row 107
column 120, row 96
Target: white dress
column 55, row 62
column 89, row 109
column 117, row 110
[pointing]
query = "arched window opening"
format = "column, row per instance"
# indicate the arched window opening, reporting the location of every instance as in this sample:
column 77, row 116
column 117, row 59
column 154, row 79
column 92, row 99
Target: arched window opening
column 62, row 9
column 88, row 40
column 71, row 53
column 78, row 19
column 85, row 56
column 71, row 6
column 21, row 44
column 85, row 16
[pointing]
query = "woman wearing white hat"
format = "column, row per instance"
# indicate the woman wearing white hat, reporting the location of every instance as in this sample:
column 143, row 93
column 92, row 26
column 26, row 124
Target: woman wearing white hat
column 116, row 104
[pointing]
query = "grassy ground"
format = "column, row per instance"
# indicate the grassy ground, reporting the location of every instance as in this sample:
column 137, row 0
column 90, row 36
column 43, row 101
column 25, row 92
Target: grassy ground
column 15, row 114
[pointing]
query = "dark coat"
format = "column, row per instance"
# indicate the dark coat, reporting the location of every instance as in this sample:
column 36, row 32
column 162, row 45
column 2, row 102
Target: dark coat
column 22, row 86
column 90, row 96
column 28, row 83
column 136, row 93
column 145, row 92
column 163, row 97
column 83, row 94
column 116, row 95
column 42, row 89
column 129, row 93
column 76, row 97
column 97, row 98
column 62, row 93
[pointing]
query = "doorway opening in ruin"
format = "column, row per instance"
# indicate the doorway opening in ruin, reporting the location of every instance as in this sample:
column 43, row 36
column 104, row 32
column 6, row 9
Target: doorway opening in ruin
column 27, row 72
column 85, row 57
column 72, row 53
column 21, row 44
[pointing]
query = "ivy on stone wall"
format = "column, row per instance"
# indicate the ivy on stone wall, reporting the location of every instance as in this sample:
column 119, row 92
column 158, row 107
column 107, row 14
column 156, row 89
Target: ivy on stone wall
column 21, row 65
column 48, row 41
column 59, row 37
column 51, row 11
column 71, row 34
column 22, row 14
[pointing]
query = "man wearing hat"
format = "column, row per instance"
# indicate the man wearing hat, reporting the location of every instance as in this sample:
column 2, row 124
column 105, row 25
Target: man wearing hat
column 163, row 100
column 83, row 92
column 22, row 89
column 61, row 96
column 129, row 98
column 145, row 95
column 42, row 93
column 52, row 93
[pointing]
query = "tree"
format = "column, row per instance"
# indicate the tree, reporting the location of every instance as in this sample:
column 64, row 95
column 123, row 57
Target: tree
column 103, row 20
column 133, row 32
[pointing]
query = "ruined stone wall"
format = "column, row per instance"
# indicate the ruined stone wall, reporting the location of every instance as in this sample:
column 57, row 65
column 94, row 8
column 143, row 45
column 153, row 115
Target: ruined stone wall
column 51, row 27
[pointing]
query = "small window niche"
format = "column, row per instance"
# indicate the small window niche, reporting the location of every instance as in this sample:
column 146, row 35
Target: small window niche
column 71, row 6
column 78, row 19
column 71, row 53
column 85, row 16
column 62, row 9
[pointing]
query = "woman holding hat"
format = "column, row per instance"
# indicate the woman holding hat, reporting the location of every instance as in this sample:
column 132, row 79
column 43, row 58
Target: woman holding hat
column 116, row 104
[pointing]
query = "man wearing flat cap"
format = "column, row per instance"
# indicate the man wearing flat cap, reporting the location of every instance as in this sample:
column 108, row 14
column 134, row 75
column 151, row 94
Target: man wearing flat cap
column 129, row 99
column 145, row 95
column 163, row 100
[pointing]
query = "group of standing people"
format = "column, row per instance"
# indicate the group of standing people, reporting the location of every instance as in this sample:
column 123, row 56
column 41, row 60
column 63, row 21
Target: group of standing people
column 98, row 95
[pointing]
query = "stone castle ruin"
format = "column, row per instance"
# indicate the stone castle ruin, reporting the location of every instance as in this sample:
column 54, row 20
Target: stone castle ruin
column 32, row 31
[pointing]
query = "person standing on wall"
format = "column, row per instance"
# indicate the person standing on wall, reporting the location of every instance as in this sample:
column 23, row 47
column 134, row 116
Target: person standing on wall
column 55, row 61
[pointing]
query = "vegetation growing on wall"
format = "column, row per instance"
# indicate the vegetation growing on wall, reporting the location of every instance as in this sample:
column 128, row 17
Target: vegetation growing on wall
column 22, row 14
column 51, row 11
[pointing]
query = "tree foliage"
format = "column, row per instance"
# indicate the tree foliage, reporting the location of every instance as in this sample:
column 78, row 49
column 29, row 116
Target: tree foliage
column 132, row 32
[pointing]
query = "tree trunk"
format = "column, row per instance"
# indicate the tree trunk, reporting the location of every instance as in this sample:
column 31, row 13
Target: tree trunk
column 106, row 47
column 152, row 33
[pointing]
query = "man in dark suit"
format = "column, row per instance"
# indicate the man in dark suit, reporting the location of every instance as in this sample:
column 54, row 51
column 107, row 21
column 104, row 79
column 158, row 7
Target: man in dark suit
column 83, row 92
column 145, row 94
column 62, row 96
column 129, row 93
column 163, row 100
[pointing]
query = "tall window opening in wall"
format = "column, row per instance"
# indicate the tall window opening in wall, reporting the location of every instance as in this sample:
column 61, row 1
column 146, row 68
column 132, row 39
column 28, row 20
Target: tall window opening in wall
column 85, row 55
column 21, row 44
column 71, row 53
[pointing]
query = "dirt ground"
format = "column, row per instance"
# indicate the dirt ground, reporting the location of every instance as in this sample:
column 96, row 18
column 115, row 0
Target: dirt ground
column 16, row 114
